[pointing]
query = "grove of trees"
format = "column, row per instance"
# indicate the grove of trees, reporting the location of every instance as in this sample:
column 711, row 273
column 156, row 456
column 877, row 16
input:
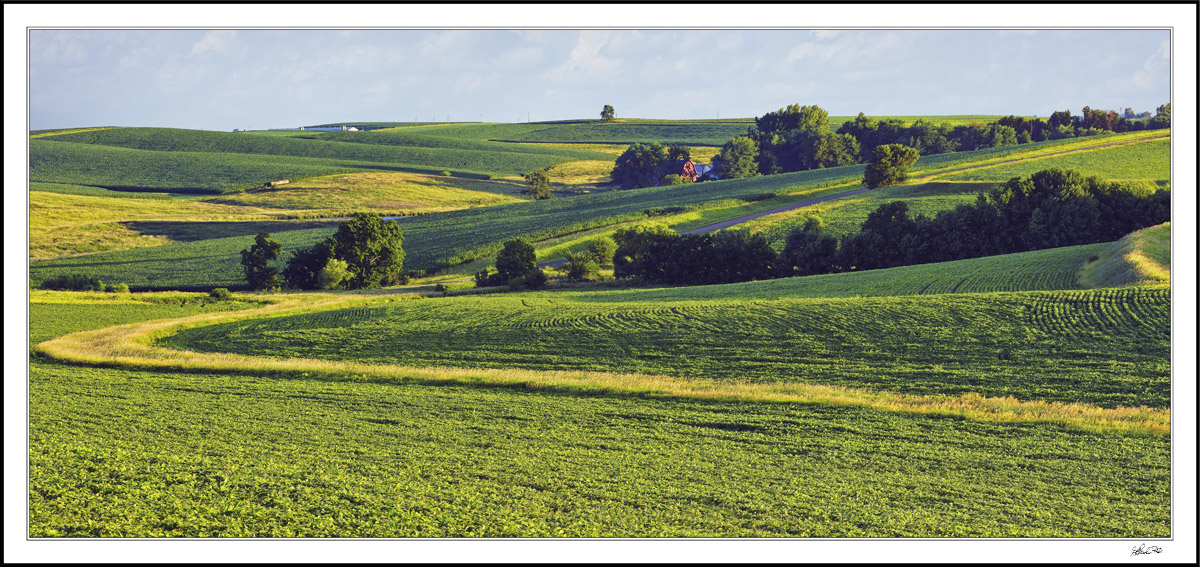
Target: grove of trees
column 1049, row 209
column 365, row 252
column 647, row 165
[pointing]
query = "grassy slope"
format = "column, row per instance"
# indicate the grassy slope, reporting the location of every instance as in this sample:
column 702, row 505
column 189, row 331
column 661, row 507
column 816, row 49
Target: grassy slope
column 71, row 221
column 130, row 453
column 762, row 332
column 379, row 191
column 1149, row 161
column 1143, row 257
column 459, row 236
column 213, row 162
column 442, row 237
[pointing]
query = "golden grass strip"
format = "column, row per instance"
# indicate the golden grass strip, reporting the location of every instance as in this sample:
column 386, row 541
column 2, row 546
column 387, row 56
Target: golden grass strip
column 71, row 131
column 133, row 346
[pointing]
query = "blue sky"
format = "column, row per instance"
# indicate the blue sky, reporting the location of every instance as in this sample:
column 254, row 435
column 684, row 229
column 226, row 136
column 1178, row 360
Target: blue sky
column 226, row 79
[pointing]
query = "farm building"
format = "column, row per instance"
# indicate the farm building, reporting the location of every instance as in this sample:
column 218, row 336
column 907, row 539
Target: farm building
column 694, row 171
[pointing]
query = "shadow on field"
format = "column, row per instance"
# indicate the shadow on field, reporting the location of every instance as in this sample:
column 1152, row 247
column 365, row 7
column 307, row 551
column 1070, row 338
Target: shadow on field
column 190, row 231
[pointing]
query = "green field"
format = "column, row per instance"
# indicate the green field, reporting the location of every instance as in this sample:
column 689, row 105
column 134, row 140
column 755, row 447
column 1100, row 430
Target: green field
column 442, row 238
column 922, row 345
column 154, row 453
column 844, row 216
column 163, row 159
column 1143, row 161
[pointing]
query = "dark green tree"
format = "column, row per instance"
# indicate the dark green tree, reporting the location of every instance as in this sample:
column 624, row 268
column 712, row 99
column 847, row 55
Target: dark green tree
column 678, row 153
column 807, row 251
column 515, row 260
column 889, row 165
column 256, row 262
column 372, row 249
column 539, row 184
column 738, row 158
column 608, row 113
column 303, row 269
column 641, row 165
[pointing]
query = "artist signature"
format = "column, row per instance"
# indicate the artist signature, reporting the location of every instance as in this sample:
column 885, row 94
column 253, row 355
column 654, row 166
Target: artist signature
column 1143, row 550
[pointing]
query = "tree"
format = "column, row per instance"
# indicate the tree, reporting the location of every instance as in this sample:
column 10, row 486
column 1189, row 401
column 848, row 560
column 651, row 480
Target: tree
column 640, row 165
column 333, row 274
column 678, row 153
column 582, row 267
column 608, row 113
column 372, row 249
column 889, row 165
column 303, row 270
column 602, row 250
column 738, row 158
column 256, row 262
column 516, row 259
column 808, row 251
column 539, row 184
column 1162, row 118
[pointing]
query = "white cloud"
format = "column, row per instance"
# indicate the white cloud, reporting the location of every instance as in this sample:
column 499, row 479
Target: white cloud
column 826, row 34
column 215, row 40
column 58, row 47
column 585, row 59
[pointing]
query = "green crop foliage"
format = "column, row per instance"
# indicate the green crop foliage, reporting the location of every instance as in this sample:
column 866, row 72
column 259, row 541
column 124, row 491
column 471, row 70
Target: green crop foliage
column 117, row 453
column 845, row 216
column 1149, row 160
column 1033, row 345
column 93, row 191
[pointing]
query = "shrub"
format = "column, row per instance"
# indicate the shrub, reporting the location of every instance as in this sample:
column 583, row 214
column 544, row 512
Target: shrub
column 602, row 250
column 672, row 179
column 533, row 279
column 889, row 165
column 581, row 267
column 220, row 294
column 446, row 173
column 71, row 282
column 119, row 288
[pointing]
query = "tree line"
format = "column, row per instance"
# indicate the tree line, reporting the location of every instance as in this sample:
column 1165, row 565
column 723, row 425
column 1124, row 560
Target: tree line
column 1049, row 209
column 799, row 138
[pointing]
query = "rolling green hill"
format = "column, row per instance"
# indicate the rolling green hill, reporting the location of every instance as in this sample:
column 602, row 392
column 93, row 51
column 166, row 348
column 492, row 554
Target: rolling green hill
column 1143, row 257
column 128, row 453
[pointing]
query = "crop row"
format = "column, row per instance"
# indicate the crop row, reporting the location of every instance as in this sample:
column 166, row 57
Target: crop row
column 1031, row 345
column 116, row 453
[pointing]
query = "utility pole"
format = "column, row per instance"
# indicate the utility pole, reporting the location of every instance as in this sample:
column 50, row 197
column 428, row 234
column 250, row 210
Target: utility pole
column 527, row 117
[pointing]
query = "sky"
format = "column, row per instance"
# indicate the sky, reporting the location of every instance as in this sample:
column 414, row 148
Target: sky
column 222, row 79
